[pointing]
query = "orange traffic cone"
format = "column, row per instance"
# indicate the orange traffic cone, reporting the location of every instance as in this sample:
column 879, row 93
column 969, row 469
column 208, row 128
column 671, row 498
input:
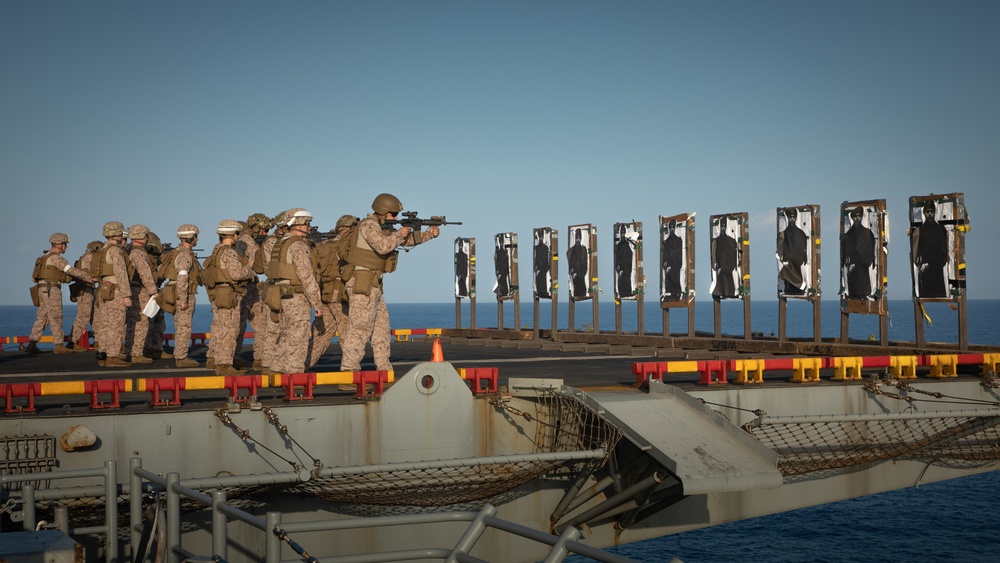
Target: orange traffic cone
column 84, row 341
column 436, row 354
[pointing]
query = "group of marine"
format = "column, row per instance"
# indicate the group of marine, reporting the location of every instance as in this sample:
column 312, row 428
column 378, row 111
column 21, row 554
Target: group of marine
column 294, row 292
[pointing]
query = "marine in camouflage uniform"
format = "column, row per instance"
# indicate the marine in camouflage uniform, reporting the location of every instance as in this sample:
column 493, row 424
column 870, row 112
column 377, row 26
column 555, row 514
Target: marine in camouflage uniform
column 268, row 338
column 252, row 309
column 84, row 300
column 293, row 265
column 231, row 276
column 53, row 271
column 335, row 319
column 373, row 254
column 179, row 274
column 114, row 297
column 157, row 324
column 143, row 286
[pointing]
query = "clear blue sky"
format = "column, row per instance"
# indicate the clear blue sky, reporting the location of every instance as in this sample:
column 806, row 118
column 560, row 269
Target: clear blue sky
column 504, row 115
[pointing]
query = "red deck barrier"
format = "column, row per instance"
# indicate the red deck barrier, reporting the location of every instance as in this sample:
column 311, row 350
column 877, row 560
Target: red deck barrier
column 377, row 379
column 113, row 386
column 291, row 381
column 234, row 383
column 174, row 385
column 475, row 377
column 26, row 390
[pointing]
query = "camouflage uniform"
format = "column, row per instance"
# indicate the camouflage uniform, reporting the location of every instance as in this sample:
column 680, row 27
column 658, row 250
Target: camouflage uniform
column 158, row 324
column 50, row 300
column 271, row 321
column 226, row 320
column 335, row 315
column 143, row 286
column 369, row 317
column 109, row 318
column 84, row 301
column 293, row 339
column 250, row 303
column 185, row 263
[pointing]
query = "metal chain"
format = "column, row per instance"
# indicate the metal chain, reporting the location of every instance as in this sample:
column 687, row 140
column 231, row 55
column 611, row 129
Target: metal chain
column 873, row 388
column 497, row 402
column 758, row 412
column 8, row 507
column 246, row 437
column 283, row 536
column 283, row 431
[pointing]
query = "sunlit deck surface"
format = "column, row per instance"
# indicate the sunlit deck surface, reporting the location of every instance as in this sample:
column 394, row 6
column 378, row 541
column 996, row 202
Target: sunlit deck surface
column 581, row 359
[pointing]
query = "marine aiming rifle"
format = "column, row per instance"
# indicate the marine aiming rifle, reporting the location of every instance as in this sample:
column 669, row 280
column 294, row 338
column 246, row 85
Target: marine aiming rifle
column 411, row 220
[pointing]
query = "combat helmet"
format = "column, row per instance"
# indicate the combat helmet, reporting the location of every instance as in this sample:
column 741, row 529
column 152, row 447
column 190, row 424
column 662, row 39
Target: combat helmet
column 58, row 238
column 187, row 231
column 346, row 222
column 281, row 219
column 138, row 232
column 386, row 203
column 113, row 229
column 298, row 216
column 228, row 227
column 153, row 243
column 94, row 246
column 259, row 221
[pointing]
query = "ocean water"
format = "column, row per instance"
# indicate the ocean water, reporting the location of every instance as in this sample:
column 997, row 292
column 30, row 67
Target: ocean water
column 946, row 521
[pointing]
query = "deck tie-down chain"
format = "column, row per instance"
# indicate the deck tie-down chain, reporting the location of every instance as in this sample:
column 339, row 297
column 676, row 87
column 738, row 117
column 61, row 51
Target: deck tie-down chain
column 244, row 435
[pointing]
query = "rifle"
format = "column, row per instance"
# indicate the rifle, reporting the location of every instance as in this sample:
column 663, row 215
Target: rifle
column 316, row 237
column 411, row 220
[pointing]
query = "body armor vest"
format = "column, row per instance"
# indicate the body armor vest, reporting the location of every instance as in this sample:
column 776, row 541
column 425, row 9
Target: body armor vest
column 47, row 272
column 101, row 267
column 170, row 271
column 361, row 255
column 281, row 265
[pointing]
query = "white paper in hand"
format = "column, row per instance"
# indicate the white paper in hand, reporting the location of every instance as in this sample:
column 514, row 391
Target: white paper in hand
column 151, row 308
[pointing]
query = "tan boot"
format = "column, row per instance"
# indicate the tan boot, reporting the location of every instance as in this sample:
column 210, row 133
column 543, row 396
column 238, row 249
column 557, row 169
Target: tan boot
column 186, row 363
column 227, row 370
column 32, row 348
column 61, row 349
column 257, row 364
column 210, row 363
column 116, row 362
column 141, row 360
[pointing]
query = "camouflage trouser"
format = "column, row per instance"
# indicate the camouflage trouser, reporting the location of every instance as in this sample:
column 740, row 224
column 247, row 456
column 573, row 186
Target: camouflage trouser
column 250, row 306
column 182, row 329
column 157, row 326
column 136, row 323
column 49, row 313
column 334, row 320
column 369, row 320
column 268, row 338
column 293, row 338
column 109, row 324
column 84, row 314
column 222, row 343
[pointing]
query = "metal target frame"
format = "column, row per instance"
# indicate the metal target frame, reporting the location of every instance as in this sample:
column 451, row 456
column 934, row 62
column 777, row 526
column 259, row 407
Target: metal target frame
column 806, row 225
column 870, row 216
column 629, row 278
column 951, row 219
column 686, row 278
column 468, row 245
column 739, row 251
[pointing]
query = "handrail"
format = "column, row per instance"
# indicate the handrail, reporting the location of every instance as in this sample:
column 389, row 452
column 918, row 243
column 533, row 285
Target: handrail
column 275, row 530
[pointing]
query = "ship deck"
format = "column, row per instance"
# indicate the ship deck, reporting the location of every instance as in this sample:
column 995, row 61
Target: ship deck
column 582, row 360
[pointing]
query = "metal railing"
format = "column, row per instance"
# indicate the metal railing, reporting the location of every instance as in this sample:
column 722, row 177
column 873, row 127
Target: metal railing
column 276, row 532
